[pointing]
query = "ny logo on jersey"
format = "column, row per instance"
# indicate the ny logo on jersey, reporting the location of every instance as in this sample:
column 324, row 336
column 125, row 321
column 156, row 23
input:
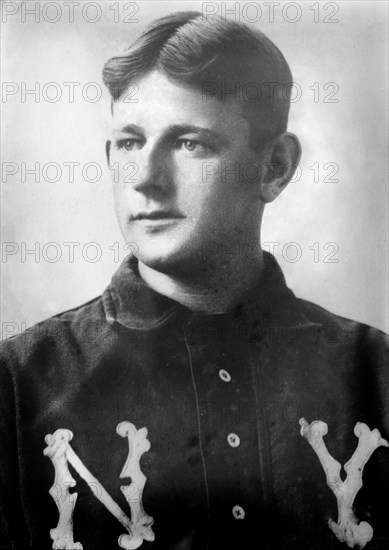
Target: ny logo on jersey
column 347, row 529
column 61, row 454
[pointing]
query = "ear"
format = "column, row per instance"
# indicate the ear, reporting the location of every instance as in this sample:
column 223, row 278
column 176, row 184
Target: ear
column 107, row 150
column 282, row 161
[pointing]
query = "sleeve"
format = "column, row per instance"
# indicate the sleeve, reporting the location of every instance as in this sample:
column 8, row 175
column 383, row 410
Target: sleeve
column 12, row 526
column 376, row 473
column 377, row 355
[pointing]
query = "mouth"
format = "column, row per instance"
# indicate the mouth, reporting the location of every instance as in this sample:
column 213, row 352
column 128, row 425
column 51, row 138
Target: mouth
column 157, row 215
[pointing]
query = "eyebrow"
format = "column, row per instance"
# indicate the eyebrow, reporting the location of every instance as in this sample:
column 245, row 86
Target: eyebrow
column 132, row 129
column 175, row 130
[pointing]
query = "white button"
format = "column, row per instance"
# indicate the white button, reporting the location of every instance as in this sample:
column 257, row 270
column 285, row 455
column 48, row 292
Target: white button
column 233, row 440
column 224, row 375
column 238, row 512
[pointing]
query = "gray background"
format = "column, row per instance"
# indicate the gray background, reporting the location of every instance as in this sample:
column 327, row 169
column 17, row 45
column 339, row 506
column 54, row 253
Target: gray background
column 352, row 133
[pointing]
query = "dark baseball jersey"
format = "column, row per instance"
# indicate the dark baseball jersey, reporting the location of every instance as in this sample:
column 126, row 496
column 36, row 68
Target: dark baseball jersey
column 159, row 428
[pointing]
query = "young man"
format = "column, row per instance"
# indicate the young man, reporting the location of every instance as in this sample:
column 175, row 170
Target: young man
column 185, row 408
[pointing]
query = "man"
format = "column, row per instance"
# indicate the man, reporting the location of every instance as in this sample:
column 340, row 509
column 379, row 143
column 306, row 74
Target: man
column 186, row 406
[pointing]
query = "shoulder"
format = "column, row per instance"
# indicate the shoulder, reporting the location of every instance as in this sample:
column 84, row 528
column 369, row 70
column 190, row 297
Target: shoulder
column 318, row 314
column 55, row 333
column 363, row 339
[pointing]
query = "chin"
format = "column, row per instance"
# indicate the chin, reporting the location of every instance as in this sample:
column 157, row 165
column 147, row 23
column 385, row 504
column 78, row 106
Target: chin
column 168, row 259
column 171, row 250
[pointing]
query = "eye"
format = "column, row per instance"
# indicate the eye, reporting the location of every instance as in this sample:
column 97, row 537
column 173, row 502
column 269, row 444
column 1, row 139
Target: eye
column 193, row 146
column 189, row 144
column 129, row 144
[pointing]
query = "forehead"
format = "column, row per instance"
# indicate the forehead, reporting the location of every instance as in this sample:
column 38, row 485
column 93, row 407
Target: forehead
column 155, row 102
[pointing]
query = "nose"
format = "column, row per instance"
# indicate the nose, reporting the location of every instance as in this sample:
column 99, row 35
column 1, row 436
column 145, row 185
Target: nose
column 153, row 170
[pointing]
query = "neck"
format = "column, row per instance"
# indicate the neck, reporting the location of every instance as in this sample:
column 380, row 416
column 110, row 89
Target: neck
column 216, row 289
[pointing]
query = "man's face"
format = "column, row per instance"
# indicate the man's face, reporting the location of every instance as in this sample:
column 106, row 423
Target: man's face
column 177, row 161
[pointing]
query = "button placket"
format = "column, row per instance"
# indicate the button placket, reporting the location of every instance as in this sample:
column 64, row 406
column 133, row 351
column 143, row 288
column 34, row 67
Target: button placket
column 226, row 409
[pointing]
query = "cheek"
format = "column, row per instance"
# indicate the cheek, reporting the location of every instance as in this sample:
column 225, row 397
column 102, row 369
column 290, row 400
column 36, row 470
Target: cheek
column 123, row 173
column 199, row 182
column 121, row 201
column 189, row 188
column 117, row 190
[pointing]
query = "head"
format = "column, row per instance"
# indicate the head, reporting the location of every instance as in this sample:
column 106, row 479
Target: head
column 200, row 109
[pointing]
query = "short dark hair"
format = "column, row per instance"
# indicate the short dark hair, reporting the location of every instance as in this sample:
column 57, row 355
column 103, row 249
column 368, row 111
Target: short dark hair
column 217, row 56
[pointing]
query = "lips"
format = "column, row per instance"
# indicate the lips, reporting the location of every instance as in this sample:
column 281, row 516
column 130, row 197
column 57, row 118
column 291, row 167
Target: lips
column 157, row 215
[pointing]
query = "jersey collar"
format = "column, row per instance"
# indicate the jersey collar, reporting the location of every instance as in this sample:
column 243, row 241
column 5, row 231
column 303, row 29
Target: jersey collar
column 129, row 301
